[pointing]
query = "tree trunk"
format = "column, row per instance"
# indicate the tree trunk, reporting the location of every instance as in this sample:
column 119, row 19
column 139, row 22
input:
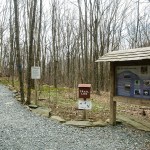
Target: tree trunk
column 30, row 61
column 86, row 72
column 54, row 42
column 11, row 47
column 19, row 65
column 39, row 35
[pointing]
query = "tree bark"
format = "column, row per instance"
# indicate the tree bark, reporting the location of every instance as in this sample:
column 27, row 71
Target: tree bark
column 30, row 61
column 19, row 65
column 11, row 47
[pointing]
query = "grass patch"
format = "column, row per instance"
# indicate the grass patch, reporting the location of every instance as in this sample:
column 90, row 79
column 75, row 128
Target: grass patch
column 63, row 102
column 4, row 80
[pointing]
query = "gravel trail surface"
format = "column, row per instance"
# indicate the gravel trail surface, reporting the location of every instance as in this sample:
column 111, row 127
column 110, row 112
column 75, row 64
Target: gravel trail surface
column 20, row 129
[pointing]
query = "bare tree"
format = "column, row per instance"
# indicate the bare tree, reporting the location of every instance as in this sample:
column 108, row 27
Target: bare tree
column 31, row 58
column 54, row 41
column 11, row 46
column 19, row 64
column 39, row 35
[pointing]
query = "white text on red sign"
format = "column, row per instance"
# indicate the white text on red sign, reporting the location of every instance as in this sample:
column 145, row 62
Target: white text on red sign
column 83, row 92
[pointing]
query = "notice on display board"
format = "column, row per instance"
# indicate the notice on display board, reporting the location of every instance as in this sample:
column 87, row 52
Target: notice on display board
column 133, row 81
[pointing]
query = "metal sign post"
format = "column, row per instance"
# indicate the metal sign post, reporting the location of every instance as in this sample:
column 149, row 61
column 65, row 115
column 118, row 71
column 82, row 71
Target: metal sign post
column 35, row 74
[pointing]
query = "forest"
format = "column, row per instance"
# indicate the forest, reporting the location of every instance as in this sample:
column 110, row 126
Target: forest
column 66, row 37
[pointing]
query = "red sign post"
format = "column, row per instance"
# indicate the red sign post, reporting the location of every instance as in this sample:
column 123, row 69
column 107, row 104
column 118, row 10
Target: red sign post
column 84, row 92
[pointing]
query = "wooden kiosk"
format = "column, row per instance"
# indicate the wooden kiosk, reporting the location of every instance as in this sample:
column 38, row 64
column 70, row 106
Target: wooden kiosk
column 129, row 78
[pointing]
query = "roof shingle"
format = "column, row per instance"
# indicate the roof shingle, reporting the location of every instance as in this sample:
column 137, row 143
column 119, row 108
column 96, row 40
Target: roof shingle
column 126, row 55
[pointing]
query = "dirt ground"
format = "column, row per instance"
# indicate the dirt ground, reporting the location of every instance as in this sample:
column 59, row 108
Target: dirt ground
column 65, row 105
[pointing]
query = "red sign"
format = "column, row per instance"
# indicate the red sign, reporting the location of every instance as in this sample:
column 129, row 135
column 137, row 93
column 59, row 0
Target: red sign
column 84, row 90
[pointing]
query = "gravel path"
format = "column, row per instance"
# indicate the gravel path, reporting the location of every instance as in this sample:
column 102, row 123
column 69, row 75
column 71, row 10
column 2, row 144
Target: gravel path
column 22, row 130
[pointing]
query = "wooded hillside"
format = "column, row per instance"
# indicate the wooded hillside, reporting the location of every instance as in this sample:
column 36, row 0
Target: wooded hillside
column 65, row 38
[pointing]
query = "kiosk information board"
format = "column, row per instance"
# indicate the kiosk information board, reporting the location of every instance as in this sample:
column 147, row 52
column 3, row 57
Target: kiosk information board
column 133, row 81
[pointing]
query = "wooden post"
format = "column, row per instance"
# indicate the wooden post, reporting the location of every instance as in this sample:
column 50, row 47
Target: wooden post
column 36, row 95
column 84, row 112
column 112, row 92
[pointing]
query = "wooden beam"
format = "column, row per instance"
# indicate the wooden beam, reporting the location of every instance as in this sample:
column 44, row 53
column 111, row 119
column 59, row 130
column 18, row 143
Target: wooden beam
column 134, row 101
column 112, row 93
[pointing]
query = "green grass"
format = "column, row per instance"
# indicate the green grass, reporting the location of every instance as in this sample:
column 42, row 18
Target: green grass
column 63, row 97
column 57, row 96
column 4, row 81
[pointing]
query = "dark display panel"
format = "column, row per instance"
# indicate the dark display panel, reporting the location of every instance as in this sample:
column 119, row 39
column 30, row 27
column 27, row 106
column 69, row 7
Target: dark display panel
column 133, row 81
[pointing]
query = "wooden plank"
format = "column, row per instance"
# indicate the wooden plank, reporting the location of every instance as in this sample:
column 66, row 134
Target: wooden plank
column 113, row 59
column 129, row 100
column 142, row 54
column 133, row 63
column 127, row 52
column 131, row 50
column 135, row 122
column 112, row 93
column 126, row 55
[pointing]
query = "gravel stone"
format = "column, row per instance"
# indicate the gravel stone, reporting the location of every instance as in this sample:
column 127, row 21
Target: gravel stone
column 21, row 129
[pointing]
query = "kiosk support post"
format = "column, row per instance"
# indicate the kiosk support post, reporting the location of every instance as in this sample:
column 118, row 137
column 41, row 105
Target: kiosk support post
column 112, row 92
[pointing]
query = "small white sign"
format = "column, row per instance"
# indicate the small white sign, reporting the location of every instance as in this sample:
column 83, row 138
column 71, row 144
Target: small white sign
column 35, row 73
column 84, row 104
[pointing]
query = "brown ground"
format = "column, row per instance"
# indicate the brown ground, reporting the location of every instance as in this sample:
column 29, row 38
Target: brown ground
column 65, row 105
column 63, row 102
